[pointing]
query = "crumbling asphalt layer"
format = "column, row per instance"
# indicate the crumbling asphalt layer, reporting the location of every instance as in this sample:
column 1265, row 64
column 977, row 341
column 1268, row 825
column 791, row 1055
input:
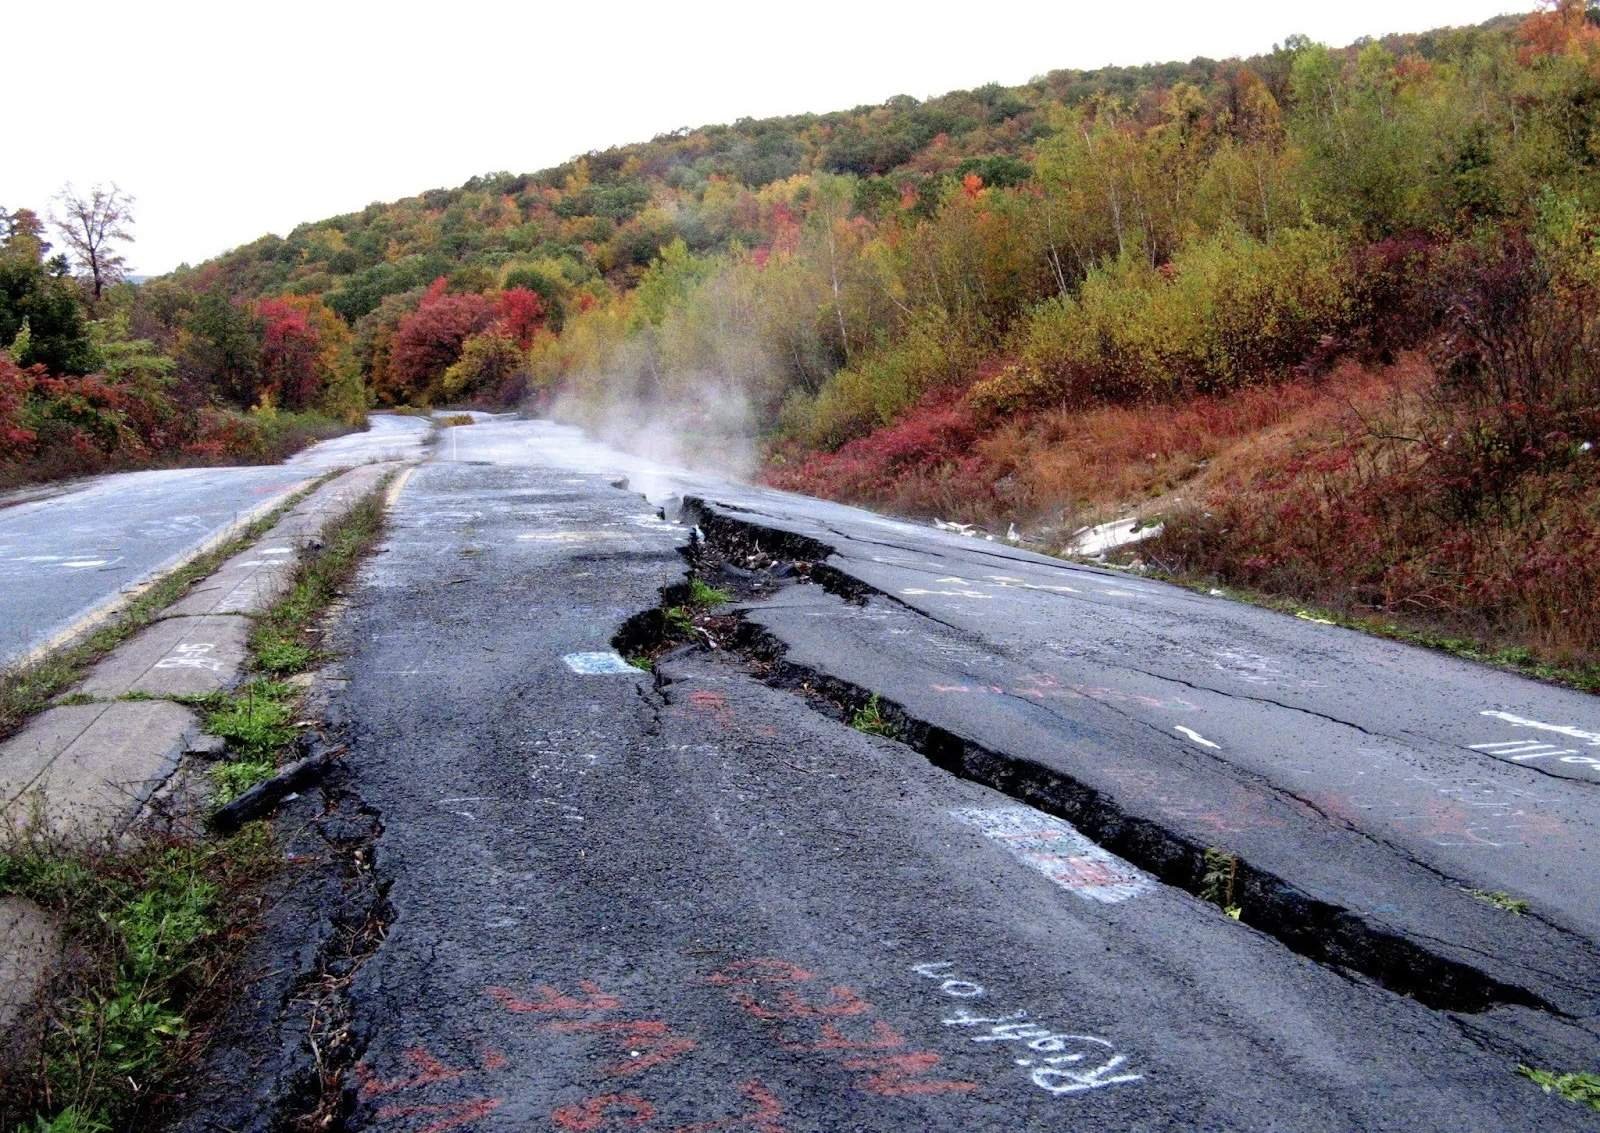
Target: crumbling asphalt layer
column 689, row 900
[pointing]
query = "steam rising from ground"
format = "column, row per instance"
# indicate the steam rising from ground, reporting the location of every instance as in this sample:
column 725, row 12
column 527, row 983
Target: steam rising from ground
column 706, row 424
column 692, row 371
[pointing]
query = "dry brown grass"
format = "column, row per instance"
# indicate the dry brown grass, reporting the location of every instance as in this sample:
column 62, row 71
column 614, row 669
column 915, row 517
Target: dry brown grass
column 1113, row 459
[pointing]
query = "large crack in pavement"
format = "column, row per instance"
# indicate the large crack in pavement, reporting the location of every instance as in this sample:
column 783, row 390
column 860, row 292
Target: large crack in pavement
column 1337, row 936
column 557, row 893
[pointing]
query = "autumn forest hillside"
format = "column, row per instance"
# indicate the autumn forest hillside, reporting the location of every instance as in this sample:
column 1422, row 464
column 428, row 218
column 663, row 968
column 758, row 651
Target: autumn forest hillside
column 1329, row 314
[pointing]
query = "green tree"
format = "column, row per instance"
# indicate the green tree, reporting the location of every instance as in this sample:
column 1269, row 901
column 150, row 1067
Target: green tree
column 47, row 304
column 219, row 350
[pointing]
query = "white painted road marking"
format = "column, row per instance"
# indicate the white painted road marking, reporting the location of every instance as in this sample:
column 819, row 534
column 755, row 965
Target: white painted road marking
column 1568, row 730
column 1196, row 737
column 1056, row 849
column 1529, row 748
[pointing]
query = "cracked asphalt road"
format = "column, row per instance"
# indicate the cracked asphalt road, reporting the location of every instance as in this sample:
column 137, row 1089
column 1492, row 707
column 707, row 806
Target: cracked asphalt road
column 68, row 550
column 693, row 901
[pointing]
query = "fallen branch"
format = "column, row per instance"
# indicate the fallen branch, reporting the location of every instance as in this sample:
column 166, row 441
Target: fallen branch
column 261, row 798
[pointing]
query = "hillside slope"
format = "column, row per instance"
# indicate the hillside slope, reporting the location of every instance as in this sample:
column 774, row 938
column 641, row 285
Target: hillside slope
column 1332, row 310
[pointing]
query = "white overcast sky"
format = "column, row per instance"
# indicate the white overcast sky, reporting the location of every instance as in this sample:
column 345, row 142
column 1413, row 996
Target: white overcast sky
column 228, row 120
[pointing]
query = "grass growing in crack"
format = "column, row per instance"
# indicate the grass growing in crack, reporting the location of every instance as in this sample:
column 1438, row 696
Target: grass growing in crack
column 28, row 689
column 1582, row 1087
column 280, row 656
column 703, row 596
column 230, row 780
column 1218, row 881
column 869, row 719
column 1501, row 900
column 255, row 721
column 678, row 620
column 152, row 929
column 69, row 1121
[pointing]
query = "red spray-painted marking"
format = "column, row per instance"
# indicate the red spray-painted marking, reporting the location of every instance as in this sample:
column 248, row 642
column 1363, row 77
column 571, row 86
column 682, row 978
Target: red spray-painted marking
column 884, row 1037
column 767, row 1117
column 760, row 971
column 841, row 1001
column 897, row 1075
column 652, row 1039
column 429, row 1070
column 766, row 989
column 594, row 1114
column 451, row 1115
column 713, row 704
column 548, row 999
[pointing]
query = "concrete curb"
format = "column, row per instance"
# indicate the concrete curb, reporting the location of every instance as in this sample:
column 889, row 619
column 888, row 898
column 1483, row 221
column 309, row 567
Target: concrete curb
column 82, row 773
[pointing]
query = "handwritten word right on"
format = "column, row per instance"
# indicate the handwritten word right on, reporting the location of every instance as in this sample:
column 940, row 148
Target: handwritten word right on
column 1058, row 1062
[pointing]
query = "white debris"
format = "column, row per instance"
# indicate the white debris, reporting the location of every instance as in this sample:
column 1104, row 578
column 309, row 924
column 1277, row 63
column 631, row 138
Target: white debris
column 1110, row 536
column 1012, row 534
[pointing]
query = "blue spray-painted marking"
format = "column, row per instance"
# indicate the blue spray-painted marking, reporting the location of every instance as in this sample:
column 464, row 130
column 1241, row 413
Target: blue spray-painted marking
column 598, row 664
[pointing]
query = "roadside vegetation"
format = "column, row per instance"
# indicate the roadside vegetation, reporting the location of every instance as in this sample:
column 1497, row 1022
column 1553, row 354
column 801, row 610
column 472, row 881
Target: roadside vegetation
column 150, row 931
column 152, row 927
column 1582, row 1087
column 258, row 720
column 88, row 383
column 870, row 720
column 1327, row 313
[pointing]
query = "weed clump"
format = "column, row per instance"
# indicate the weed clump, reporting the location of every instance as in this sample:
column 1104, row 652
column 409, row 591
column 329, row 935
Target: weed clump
column 1582, row 1087
column 869, row 719
column 152, row 930
column 1219, row 881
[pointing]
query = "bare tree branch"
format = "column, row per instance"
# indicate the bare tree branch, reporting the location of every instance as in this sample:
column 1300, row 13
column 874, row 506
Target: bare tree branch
column 92, row 227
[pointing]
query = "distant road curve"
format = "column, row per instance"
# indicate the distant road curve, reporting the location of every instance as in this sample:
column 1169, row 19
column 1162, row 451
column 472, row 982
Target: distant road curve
column 69, row 552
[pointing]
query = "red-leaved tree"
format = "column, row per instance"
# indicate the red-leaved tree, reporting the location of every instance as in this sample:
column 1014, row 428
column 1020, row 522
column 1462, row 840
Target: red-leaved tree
column 291, row 353
column 521, row 313
column 428, row 341
column 15, row 382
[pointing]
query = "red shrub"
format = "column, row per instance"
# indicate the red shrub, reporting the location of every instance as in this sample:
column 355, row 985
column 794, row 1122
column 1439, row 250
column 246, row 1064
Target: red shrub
column 16, row 440
column 925, row 463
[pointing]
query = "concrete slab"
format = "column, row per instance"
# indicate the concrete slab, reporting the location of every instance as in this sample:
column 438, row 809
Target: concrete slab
column 82, row 772
column 255, row 578
column 29, row 944
column 174, row 657
column 331, row 501
column 248, row 583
